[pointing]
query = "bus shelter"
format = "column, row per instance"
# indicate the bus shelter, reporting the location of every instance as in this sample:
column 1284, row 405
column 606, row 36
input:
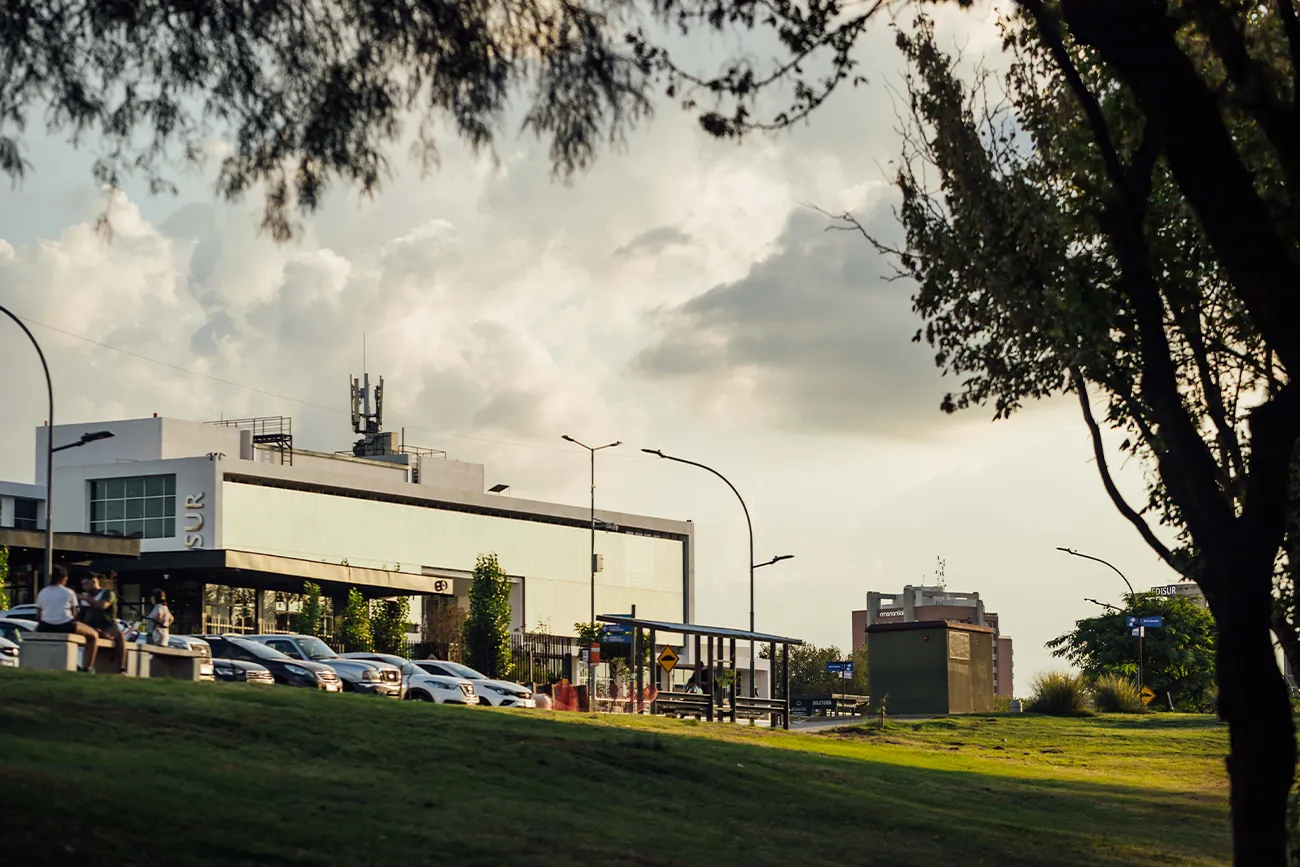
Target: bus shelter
column 714, row 653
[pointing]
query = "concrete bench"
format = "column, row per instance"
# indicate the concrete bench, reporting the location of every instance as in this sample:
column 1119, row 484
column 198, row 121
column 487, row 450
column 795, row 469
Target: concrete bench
column 170, row 662
column 59, row 651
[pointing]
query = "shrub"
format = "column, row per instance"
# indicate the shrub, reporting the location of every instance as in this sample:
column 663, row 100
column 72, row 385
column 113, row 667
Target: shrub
column 1002, row 704
column 1059, row 694
column 1114, row 693
column 352, row 629
column 388, row 623
column 310, row 619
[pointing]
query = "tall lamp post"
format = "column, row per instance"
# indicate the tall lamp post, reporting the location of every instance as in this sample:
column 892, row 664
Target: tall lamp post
column 591, row 668
column 752, row 565
column 49, row 448
column 1132, row 596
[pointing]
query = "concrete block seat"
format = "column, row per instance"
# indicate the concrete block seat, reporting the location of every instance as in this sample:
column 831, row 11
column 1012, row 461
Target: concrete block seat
column 57, row 651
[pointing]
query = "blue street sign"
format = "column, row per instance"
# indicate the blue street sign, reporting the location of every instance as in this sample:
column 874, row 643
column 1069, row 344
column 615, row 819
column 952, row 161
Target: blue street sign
column 616, row 633
column 1151, row 620
column 843, row 669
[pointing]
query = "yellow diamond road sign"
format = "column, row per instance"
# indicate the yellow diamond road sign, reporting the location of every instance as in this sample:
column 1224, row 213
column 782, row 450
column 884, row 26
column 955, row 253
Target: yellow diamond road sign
column 667, row 658
column 1148, row 695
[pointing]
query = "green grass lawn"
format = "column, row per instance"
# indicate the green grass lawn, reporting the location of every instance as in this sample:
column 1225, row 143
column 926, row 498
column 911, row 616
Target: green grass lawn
column 104, row 770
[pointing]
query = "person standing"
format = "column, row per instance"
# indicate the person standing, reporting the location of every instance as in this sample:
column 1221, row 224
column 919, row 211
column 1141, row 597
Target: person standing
column 159, row 619
column 56, row 611
column 101, row 615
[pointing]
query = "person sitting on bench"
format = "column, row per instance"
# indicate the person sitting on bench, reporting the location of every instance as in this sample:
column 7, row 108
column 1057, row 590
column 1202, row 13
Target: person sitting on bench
column 101, row 615
column 56, row 611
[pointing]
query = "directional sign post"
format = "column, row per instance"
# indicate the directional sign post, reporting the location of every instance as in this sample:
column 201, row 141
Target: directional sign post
column 668, row 658
column 1140, row 623
column 844, row 670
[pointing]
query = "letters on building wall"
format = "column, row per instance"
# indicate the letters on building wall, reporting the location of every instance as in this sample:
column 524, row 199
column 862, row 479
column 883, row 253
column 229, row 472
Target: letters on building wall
column 194, row 521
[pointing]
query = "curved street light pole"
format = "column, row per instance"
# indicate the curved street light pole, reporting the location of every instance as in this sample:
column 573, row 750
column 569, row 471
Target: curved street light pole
column 1132, row 597
column 49, row 448
column 752, row 565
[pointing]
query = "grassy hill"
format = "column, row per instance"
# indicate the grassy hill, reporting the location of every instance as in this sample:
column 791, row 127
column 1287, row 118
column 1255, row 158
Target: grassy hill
column 104, row 770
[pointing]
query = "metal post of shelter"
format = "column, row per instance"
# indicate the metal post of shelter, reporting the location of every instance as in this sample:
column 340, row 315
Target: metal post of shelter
column 709, row 690
column 771, row 679
column 734, row 686
column 785, row 685
column 636, row 661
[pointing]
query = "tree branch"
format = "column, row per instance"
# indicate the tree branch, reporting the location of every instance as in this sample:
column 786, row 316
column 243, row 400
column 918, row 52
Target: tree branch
column 1274, row 428
column 1107, row 481
column 1291, row 25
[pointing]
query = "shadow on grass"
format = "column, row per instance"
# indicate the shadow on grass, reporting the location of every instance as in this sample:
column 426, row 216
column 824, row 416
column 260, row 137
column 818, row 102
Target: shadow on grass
column 216, row 774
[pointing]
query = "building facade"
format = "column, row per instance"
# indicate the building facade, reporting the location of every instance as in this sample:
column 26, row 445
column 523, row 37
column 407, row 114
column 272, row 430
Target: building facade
column 233, row 520
column 933, row 603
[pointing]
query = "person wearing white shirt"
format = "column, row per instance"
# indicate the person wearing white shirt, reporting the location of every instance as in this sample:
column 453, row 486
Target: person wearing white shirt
column 56, row 611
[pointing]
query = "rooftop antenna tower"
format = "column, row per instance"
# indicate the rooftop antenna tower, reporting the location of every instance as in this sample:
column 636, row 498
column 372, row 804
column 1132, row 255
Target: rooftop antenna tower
column 366, row 422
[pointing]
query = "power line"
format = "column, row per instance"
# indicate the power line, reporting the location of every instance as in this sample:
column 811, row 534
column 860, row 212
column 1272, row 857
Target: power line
column 307, row 403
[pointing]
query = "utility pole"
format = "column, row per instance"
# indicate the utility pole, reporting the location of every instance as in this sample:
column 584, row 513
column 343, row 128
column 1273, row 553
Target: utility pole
column 1132, row 598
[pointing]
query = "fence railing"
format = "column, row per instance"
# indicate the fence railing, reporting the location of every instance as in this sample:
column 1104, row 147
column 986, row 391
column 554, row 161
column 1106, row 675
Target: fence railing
column 541, row 658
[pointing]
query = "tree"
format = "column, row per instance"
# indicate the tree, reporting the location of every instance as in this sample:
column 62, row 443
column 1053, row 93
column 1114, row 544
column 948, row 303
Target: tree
column 4, row 578
column 1131, row 232
column 352, row 630
column 1178, row 657
column 310, row 93
column 310, row 618
column 487, row 628
column 389, row 621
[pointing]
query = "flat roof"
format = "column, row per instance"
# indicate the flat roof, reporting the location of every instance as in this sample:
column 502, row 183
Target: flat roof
column 697, row 629
column 929, row 624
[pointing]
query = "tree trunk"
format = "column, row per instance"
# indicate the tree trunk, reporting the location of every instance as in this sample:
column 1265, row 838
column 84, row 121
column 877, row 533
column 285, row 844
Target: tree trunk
column 1253, row 701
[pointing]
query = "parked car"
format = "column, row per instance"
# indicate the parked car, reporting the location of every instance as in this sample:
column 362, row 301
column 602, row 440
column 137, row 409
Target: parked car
column 358, row 675
column 8, row 653
column 420, row 685
column 20, row 612
column 14, row 629
column 496, row 693
column 284, row 669
column 241, row 671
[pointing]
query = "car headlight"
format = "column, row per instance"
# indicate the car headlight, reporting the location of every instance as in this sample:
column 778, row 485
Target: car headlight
column 223, row 670
column 450, row 687
column 9, row 651
column 297, row 669
column 370, row 675
column 501, row 690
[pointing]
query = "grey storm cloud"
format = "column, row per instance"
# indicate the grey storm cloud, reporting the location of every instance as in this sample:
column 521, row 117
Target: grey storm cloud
column 819, row 327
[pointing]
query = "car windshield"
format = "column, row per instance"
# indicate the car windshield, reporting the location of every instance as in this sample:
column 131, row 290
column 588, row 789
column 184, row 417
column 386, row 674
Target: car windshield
column 314, row 648
column 463, row 670
column 261, row 651
column 12, row 633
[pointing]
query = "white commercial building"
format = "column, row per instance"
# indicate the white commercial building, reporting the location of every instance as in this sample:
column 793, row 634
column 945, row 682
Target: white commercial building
column 233, row 519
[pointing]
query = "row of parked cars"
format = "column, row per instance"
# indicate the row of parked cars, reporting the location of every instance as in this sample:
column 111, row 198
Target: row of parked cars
column 306, row 661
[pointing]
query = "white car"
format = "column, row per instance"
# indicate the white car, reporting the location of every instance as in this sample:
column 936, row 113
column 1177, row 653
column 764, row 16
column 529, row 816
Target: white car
column 420, row 685
column 14, row 628
column 494, row 693
column 20, row 612
column 8, row 654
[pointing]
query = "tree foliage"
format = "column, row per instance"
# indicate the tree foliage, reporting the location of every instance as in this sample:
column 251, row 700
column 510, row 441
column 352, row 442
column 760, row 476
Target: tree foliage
column 487, row 627
column 4, row 578
column 389, row 621
column 1115, row 218
column 1178, row 657
column 310, row 618
column 808, row 674
column 352, row 626
column 303, row 94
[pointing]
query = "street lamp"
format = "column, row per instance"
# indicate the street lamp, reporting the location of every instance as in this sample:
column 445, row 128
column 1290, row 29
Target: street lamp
column 49, row 449
column 1132, row 597
column 752, row 565
column 86, row 438
column 591, row 668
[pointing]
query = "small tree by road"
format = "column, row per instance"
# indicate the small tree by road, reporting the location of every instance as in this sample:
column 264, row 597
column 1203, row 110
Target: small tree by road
column 487, row 627
column 353, row 630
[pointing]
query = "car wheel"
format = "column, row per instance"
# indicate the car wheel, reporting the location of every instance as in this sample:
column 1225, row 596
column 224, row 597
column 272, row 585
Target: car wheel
column 417, row 695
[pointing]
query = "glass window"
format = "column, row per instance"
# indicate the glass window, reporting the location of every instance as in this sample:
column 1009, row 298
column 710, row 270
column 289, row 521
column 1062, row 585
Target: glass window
column 25, row 511
column 142, row 506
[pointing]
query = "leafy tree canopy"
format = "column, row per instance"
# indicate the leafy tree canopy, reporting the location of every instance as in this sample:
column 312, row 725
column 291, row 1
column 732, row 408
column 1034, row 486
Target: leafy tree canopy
column 1178, row 657
column 307, row 93
column 487, row 627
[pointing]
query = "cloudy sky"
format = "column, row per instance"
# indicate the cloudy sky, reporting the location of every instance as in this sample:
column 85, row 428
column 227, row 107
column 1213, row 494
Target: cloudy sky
column 680, row 295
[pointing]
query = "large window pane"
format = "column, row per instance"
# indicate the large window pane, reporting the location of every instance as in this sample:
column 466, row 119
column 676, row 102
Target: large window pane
column 134, row 508
column 169, row 485
column 154, row 486
column 153, row 528
column 98, row 511
column 115, row 489
column 143, row 505
column 114, row 510
column 135, row 487
column 169, row 527
column 153, row 507
column 132, row 528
